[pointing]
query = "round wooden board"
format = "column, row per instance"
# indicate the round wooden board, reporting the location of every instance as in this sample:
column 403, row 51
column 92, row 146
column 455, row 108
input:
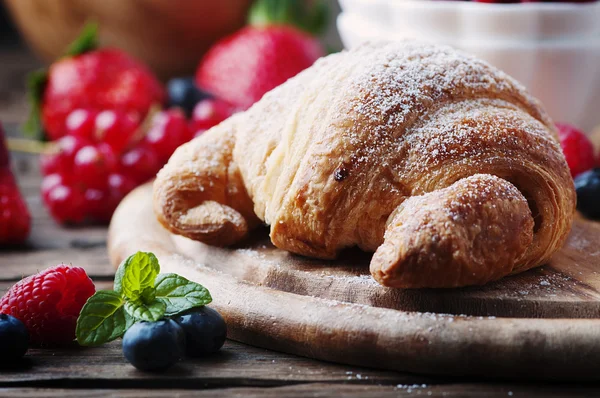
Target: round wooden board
column 334, row 310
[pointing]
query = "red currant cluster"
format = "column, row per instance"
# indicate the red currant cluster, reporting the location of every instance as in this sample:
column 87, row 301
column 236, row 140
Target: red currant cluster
column 104, row 155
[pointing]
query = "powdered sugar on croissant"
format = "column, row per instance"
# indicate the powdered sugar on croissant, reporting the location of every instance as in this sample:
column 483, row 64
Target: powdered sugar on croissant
column 442, row 165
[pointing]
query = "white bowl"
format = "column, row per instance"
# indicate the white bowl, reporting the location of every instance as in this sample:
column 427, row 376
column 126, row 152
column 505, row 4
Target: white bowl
column 552, row 48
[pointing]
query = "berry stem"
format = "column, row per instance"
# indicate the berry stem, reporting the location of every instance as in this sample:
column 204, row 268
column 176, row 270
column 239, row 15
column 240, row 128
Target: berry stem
column 25, row 146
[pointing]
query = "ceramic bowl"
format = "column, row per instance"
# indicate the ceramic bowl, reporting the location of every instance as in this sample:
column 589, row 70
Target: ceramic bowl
column 552, row 48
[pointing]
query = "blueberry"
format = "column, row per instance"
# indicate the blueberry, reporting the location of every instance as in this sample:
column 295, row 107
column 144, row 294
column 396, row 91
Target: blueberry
column 154, row 345
column 587, row 186
column 14, row 338
column 183, row 93
column 205, row 330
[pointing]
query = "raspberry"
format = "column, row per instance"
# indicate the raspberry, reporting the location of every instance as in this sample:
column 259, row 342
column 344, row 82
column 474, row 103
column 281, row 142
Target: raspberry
column 116, row 129
column 578, row 149
column 169, row 130
column 48, row 303
column 209, row 113
column 81, row 123
column 15, row 221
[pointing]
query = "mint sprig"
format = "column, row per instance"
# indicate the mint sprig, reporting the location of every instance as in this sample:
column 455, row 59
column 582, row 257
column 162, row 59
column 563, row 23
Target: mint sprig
column 141, row 294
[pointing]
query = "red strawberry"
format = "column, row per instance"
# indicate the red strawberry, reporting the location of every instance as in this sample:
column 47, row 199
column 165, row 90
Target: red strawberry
column 95, row 80
column 578, row 149
column 48, row 303
column 241, row 68
column 15, row 221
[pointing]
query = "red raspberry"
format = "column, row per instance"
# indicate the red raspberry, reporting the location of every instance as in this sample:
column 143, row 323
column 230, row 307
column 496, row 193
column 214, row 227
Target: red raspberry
column 48, row 303
column 116, row 129
column 169, row 130
column 209, row 113
column 15, row 221
column 81, row 123
column 578, row 149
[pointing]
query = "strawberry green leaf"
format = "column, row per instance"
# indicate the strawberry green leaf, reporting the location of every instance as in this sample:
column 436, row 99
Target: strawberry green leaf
column 36, row 84
column 180, row 294
column 308, row 15
column 102, row 319
column 87, row 41
column 135, row 274
column 141, row 311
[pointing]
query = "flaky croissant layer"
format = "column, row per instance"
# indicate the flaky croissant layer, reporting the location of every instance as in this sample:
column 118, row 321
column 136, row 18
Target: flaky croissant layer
column 442, row 165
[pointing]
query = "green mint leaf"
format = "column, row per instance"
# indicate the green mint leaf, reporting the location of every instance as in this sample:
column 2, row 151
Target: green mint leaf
column 87, row 41
column 151, row 312
column 180, row 294
column 102, row 319
column 148, row 295
column 135, row 274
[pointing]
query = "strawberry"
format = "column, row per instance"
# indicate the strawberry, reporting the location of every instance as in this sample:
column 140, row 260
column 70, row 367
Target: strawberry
column 48, row 303
column 15, row 221
column 242, row 67
column 91, row 79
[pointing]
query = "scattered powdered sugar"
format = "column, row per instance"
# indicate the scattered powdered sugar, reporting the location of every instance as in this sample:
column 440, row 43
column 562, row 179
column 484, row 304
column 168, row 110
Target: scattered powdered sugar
column 400, row 86
column 410, row 387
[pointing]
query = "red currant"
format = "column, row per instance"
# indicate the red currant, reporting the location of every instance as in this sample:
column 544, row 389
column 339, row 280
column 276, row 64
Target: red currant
column 140, row 164
column 120, row 185
column 93, row 163
column 101, row 205
column 94, row 203
column 209, row 113
column 116, row 129
column 81, row 123
column 66, row 204
column 169, row 129
column 50, row 181
column 59, row 158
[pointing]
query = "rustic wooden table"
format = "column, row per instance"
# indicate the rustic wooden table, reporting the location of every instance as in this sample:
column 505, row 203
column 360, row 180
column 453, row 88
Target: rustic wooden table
column 238, row 370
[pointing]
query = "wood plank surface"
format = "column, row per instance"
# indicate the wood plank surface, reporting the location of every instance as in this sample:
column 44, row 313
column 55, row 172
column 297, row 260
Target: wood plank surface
column 326, row 390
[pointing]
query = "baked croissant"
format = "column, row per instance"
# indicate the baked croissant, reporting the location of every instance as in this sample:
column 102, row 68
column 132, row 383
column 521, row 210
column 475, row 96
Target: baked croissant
column 439, row 163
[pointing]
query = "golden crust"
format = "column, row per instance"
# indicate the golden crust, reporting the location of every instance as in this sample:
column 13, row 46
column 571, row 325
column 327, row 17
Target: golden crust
column 328, row 159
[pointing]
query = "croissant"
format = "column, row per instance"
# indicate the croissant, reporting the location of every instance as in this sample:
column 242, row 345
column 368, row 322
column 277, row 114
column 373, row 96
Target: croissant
column 443, row 166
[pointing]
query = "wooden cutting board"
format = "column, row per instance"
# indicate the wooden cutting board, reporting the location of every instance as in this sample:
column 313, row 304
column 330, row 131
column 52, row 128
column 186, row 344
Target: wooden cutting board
column 541, row 324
